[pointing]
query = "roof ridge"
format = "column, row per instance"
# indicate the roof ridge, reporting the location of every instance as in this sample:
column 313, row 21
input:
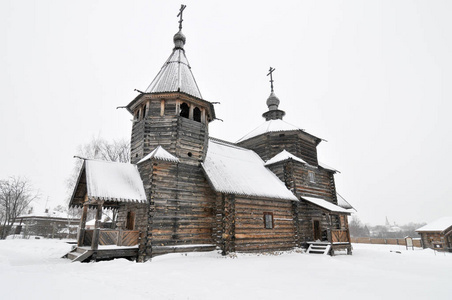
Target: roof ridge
column 220, row 141
column 107, row 161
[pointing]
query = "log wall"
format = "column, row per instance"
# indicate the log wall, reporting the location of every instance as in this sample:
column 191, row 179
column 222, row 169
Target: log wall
column 322, row 187
column 298, row 143
column 436, row 240
column 250, row 232
column 182, row 205
column 185, row 138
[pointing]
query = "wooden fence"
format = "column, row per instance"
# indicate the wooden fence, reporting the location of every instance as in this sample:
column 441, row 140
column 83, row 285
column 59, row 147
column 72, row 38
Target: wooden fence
column 382, row 241
column 339, row 236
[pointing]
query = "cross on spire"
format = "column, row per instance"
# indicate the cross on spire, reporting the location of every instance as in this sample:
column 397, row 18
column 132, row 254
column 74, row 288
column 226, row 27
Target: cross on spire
column 270, row 72
column 181, row 10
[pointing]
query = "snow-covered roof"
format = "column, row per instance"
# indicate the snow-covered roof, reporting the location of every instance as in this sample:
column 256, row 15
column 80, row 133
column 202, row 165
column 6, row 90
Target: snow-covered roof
column 326, row 167
column 49, row 214
column 325, row 204
column 114, row 181
column 437, row 225
column 270, row 126
column 161, row 154
column 175, row 76
column 343, row 203
column 235, row 170
column 283, row 156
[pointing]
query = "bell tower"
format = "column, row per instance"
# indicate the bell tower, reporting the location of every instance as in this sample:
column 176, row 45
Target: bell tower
column 171, row 112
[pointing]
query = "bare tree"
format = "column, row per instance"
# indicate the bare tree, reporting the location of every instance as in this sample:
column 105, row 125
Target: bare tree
column 98, row 148
column 357, row 229
column 15, row 196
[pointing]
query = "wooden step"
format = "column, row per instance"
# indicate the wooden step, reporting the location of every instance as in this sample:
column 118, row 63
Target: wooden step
column 83, row 256
column 79, row 254
column 80, row 250
column 319, row 248
column 72, row 255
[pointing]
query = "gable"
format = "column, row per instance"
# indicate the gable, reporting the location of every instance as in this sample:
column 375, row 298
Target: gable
column 109, row 181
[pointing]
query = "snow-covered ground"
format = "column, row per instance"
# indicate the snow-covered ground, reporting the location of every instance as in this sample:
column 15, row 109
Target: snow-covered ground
column 33, row 269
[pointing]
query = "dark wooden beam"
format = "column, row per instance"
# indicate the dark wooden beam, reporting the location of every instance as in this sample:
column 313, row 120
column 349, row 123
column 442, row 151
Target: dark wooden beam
column 81, row 236
column 95, row 243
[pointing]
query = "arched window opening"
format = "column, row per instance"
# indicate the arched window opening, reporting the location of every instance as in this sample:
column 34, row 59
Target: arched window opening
column 143, row 113
column 184, row 110
column 197, row 114
column 137, row 115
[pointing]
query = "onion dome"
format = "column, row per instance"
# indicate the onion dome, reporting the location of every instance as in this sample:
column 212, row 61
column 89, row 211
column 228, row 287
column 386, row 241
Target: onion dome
column 272, row 102
column 273, row 112
column 179, row 40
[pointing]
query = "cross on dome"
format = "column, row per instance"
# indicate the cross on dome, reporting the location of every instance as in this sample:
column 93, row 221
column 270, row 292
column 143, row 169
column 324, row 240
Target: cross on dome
column 270, row 72
column 181, row 10
column 273, row 112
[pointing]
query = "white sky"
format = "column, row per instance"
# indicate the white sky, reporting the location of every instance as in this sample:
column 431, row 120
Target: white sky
column 371, row 77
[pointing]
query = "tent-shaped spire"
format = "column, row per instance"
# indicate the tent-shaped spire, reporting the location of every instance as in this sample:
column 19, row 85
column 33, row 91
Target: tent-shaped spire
column 175, row 75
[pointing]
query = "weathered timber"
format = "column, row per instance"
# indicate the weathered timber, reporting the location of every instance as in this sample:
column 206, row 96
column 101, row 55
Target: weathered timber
column 81, row 236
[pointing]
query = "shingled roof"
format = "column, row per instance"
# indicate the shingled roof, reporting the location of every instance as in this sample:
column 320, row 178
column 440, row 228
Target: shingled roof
column 175, row 74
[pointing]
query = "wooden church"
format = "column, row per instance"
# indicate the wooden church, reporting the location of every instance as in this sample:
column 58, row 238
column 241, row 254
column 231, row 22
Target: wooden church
column 186, row 191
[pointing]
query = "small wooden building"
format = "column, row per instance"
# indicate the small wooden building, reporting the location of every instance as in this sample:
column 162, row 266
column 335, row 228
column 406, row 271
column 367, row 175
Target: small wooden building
column 49, row 224
column 437, row 234
column 186, row 191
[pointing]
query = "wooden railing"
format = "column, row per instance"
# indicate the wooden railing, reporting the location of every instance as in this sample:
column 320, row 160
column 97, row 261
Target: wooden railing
column 339, row 236
column 113, row 237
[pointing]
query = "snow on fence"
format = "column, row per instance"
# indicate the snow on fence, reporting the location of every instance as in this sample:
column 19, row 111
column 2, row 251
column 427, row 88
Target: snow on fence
column 383, row 241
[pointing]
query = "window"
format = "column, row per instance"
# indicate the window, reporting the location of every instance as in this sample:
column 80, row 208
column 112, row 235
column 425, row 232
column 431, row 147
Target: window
column 268, row 220
column 184, row 110
column 146, row 109
column 197, row 114
column 311, row 176
column 143, row 113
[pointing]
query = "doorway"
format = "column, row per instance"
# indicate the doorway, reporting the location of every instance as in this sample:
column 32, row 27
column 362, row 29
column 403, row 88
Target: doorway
column 130, row 225
column 317, row 230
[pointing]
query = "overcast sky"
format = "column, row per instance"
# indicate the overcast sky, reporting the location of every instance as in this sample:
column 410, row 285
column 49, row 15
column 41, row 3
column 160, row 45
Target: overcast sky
column 373, row 78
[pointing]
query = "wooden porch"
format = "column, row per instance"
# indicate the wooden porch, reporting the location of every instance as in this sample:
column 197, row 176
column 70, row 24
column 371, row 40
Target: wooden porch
column 338, row 241
column 112, row 244
column 100, row 243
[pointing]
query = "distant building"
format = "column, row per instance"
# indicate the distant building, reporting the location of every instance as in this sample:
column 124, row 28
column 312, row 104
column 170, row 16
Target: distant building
column 49, row 224
column 437, row 234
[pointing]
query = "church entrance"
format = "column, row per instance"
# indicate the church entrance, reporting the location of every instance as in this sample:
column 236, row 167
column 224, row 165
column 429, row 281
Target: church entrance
column 317, row 230
column 130, row 225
